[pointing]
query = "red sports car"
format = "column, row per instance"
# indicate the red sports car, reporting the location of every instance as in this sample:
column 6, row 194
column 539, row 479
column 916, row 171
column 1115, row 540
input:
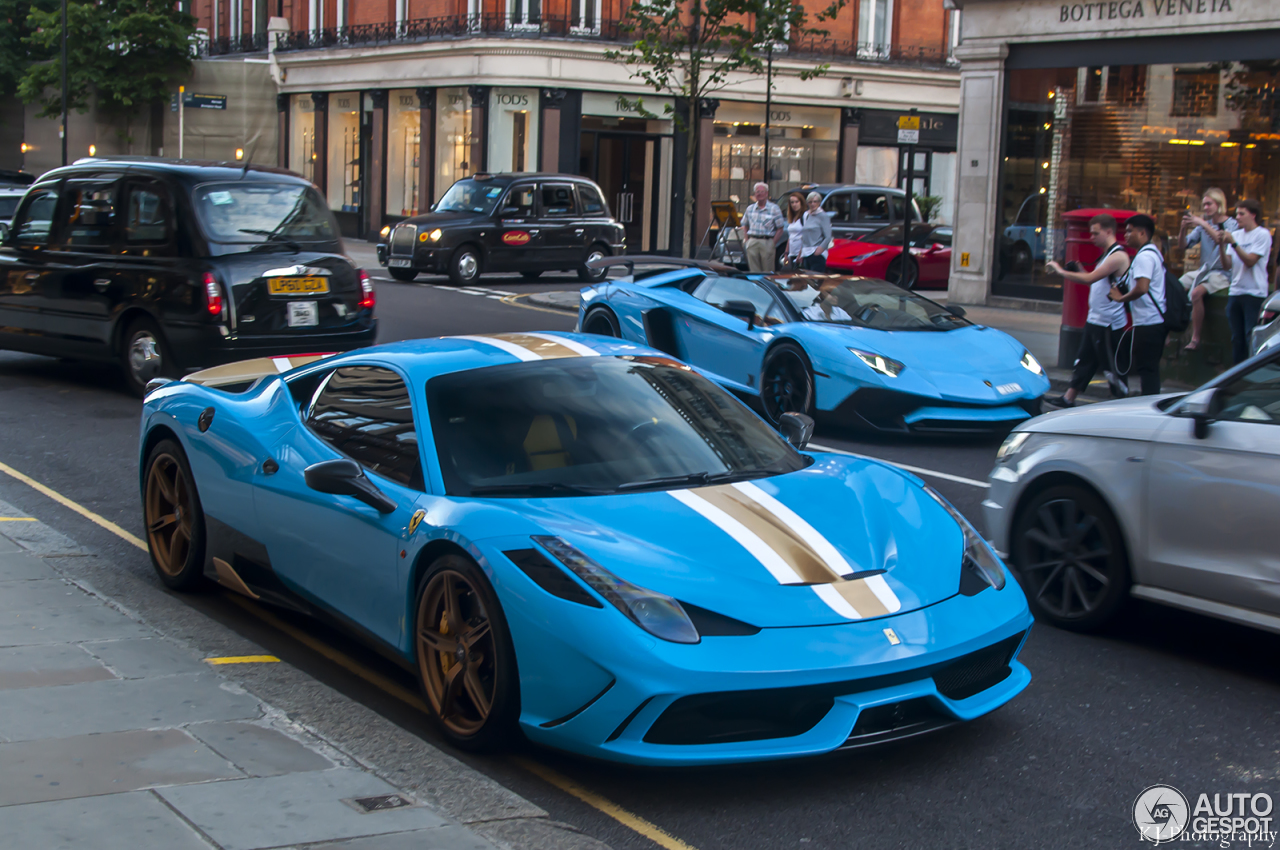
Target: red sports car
column 879, row 254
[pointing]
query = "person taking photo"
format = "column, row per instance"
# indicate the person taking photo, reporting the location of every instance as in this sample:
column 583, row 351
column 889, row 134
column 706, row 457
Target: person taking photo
column 1144, row 297
column 1105, row 318
column 1251, row 246
column 1214, row 273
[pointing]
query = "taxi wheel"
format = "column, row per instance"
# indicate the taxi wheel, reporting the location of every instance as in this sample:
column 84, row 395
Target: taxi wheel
column 786, row 382
column 465, row 659
column 174, row 518
column 405, row 275
column 595, row 252
column 144, row 355
column 464, row 268
column 531, row 275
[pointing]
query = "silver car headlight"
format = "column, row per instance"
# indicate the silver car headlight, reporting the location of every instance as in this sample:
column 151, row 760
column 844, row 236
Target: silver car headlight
column 1031, row 364
column 977, row 554
column 656, row 613
column 1012, row 445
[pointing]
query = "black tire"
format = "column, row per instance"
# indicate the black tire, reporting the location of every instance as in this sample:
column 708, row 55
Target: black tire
column 602, row 322
column 465, row 266
column 405, row 275
column 893, row 274
column 532, row 274
column 144, row 354
column 174, row 518
column 1070, row 558
column 786, row 382
column 488, row 663
column 595, row 252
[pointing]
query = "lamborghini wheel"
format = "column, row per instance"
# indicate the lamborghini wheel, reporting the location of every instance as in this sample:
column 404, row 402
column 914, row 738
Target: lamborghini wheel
column 174, row 518
column 466, row 662
column 786, row 382
column 601, row 322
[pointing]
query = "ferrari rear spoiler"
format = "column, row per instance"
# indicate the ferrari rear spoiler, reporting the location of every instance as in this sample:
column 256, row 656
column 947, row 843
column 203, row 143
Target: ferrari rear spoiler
column 630, row 261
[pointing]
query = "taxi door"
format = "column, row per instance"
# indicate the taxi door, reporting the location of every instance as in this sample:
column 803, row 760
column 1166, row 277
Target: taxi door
column 26, row 272
column 83, row 254
column 519, row 244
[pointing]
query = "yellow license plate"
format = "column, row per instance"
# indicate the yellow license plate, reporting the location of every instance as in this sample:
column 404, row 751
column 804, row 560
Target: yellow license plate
column 297, row 285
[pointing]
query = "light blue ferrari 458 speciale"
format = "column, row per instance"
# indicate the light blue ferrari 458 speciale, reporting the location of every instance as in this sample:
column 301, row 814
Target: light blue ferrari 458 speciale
column 858, row 351
column 586, row 542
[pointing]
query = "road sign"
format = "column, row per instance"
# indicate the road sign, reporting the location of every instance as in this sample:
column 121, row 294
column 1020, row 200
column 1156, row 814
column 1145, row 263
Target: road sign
column 908, row 122
column 908, row 137
column 908, row 129
column 204, row 101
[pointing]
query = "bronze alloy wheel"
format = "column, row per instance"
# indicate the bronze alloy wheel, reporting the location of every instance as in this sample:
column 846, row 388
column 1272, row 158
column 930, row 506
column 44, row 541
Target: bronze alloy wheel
column 170, row 514
column 457, row 654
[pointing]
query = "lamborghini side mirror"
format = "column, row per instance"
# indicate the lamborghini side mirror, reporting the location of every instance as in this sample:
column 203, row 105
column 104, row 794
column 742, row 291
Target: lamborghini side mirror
column 743, row 310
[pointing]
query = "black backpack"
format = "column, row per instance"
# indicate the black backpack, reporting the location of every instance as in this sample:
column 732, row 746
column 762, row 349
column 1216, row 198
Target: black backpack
column 1177, row 304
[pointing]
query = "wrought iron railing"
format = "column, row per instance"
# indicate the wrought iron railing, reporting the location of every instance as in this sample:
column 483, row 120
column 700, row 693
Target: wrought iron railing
column 247, row 43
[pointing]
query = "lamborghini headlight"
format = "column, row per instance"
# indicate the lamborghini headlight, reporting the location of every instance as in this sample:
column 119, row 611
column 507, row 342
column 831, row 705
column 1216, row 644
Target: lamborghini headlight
column 1031, row 364
column 1011, row 445
column 656, row 613
column 435, row 235
column 977, row 554
column 879, row 363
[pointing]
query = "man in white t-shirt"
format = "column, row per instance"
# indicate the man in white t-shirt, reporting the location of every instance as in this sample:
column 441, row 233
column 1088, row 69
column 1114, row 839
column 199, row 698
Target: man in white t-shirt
column 1145, row 300
column 1251, row 245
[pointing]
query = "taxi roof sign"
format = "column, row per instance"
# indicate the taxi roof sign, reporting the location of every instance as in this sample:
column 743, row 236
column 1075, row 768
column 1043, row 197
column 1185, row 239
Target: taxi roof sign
column 908, row 122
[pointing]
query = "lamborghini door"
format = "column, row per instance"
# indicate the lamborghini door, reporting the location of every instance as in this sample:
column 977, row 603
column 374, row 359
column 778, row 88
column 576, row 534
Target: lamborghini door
column 727, row 347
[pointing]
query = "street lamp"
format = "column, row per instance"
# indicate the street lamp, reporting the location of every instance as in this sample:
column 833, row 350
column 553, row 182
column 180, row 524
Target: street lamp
column 64, row 82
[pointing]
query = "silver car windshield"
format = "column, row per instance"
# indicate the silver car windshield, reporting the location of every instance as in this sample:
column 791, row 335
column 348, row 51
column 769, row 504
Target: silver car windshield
column 866, row 303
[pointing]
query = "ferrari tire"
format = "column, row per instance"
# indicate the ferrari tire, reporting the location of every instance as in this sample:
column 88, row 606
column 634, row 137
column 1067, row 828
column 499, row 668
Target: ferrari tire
column 465, row 266
column 893, row 274
column 786, row 382
column 144, row 354
column 403, row 275
column 590, row 275
column 533, row 274
column 602, row 322
column 465, row 660
column 174, row 518
column 1070, row 558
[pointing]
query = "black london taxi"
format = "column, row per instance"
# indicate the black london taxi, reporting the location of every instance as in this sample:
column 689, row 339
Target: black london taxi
column 527, row 223
column 168, row 265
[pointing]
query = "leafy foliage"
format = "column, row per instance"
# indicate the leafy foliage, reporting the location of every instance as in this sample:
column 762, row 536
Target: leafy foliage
column 15, row 53
column 929, row 205
column 130, row 52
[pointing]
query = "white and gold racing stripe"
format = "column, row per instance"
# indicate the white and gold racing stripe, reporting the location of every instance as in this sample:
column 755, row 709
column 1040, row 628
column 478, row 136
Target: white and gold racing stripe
column 533, row 346
column 791, row 549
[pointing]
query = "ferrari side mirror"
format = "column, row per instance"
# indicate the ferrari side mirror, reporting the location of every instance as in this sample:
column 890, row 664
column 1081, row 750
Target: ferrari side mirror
column 797, row 428
column 343, row 477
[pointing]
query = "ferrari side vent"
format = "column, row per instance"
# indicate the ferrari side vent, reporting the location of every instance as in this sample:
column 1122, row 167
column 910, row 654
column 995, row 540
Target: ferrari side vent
column 551, row 578
column 977, row 671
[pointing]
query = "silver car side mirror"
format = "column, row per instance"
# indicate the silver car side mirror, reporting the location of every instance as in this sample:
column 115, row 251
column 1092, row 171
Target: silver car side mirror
column 1201, row 407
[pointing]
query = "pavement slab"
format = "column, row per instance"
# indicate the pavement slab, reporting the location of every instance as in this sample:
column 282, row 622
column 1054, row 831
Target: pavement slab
column 259, row 750
column 17, row 565
column 134, row 821
column 48, row 665
column 300, row 808
column 146, row 657
column 440, row 838
column 23, row 628
column 111, row 763
column 51, row 594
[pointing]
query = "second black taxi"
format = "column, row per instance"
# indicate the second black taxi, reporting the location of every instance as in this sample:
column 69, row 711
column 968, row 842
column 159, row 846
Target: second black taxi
column 527, row 223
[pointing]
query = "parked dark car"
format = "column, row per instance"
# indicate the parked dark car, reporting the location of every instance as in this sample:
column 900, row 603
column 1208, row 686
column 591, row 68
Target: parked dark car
column 9, row 198
column 527, row 223
column 170, row 265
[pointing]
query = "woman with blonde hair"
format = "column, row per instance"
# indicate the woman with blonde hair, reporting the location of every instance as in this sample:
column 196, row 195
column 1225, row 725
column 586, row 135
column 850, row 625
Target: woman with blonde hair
column 795, row 224
column 1214, row 273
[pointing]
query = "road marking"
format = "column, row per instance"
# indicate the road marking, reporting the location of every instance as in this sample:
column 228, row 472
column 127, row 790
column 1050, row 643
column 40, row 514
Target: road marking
column 651, row 831
column 70, row 505
column 18, row 519
column 634, row 822
column 514, row 301
column 243, row 659
column 918, row 470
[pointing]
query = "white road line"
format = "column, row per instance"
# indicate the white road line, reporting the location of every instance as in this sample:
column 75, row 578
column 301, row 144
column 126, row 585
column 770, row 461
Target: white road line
column 933, row 473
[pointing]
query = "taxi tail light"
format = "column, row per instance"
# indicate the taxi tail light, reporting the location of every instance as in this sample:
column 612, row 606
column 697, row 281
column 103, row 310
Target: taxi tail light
column 214, row 302
column 368, row 298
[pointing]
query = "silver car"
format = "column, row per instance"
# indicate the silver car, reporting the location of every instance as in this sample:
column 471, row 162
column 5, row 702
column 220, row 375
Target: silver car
column 1266, row 335
column 1169, row 498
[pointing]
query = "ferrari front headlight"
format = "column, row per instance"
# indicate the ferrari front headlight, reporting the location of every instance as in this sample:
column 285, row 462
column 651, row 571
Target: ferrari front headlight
column 1031, row 364
column 435, row 235
column 879, row 363
column 656, row 613
column 977, row 554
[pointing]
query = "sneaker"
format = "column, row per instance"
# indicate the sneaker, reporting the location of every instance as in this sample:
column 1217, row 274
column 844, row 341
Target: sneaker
column 1059, row 402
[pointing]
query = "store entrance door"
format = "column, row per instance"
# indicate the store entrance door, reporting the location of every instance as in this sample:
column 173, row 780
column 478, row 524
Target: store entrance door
column 626, row 169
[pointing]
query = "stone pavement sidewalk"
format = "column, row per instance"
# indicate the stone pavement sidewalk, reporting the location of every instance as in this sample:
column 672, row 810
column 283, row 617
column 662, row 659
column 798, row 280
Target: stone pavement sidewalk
column 115, row 737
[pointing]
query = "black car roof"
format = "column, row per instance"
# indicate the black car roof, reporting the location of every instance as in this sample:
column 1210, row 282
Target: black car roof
column 190, row 172
column 825, row 188
column 507, row 178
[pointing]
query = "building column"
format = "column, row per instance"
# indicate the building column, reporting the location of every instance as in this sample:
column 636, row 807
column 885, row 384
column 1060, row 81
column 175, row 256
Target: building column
column 702, row 174
column 549, row 129
column 426, row 148
column 850, row 123
column 478, row 159
column 375, row 180
column 320, row 142
column 282, row 130
column 978, row 171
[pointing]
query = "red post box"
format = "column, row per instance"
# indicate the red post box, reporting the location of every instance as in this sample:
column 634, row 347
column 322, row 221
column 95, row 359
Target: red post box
column 1075, row 296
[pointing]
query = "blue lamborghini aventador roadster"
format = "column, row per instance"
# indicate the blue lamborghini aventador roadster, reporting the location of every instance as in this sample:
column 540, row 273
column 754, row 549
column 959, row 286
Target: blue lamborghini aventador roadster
column 861, row 351
column 584, row 541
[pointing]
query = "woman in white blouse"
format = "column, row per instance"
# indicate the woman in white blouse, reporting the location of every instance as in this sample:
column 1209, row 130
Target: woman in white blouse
column 795, row 223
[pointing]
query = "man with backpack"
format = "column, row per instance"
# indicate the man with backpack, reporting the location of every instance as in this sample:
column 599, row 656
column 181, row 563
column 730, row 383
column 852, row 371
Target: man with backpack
column 1145, row 299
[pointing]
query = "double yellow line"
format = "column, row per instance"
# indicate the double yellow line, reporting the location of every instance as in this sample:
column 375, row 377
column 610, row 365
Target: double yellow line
column 649, row 830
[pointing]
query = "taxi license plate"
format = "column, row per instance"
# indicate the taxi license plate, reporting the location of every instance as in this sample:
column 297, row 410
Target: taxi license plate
column 399, row 262
column 297, row 285
column 304, row 314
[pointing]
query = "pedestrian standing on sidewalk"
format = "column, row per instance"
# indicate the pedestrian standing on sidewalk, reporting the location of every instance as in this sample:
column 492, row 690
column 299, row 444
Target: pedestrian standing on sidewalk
column 1214, row 274
column 1105, row 318
column 1146, row 302
column 762, row 228
column 816, row 235
column 795, row 225
column 1251, row 245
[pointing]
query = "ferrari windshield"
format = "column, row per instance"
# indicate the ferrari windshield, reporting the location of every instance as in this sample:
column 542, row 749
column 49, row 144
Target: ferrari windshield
column 865, row 303
column 471, row 196
column 595, row 425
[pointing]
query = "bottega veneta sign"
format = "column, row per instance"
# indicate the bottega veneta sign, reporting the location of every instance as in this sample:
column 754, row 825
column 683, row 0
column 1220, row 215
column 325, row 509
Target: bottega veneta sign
column 1114, row 9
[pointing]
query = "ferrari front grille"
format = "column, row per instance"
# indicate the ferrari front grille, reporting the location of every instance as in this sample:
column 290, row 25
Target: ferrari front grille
column 977, row 671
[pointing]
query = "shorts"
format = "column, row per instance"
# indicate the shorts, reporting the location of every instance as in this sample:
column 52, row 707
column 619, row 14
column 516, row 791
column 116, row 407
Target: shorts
column 1214, row 281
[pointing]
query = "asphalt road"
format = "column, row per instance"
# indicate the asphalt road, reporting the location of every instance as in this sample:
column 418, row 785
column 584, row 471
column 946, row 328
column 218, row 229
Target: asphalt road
column 1168, row 697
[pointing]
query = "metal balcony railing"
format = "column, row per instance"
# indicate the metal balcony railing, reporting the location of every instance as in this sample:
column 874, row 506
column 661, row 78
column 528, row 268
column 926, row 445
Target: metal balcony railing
column 248, row 43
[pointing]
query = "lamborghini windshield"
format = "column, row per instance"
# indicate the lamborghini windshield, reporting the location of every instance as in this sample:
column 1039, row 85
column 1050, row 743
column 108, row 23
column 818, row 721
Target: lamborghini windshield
column 865, row 303
column 595, row 425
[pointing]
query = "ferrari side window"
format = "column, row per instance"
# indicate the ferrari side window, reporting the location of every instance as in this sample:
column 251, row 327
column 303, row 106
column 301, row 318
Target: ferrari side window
column 364, row 412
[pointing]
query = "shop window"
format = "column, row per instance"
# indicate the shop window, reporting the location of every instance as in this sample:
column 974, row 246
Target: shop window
column 344, row 152
column 1195, row 92
column 453, row 138
column 404, row 126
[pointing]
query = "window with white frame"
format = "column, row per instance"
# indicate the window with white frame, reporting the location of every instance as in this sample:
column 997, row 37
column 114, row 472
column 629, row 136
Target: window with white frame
column 585, row 16
column 524, row 14
column 875, row 28
column 954, row 39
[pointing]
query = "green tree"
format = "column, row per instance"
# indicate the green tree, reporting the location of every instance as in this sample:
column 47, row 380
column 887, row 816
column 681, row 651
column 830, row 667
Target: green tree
column 129, row 53
column 15, row 54
column 691, row 49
